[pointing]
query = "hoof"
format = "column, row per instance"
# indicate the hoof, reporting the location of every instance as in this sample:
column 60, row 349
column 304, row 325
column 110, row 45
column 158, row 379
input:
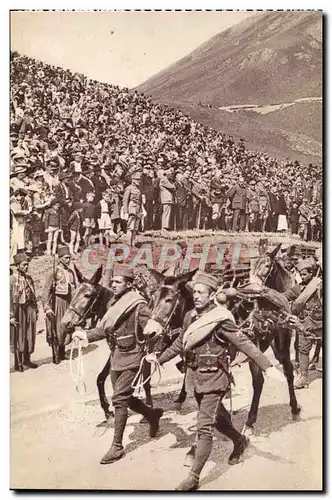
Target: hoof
column 177, row 406
column 247, row 431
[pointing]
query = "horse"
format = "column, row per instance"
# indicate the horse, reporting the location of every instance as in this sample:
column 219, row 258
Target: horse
column 166, row 302
column 90, row 300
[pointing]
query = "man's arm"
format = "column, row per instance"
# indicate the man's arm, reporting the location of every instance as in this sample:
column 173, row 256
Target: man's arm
column 172, row 351
column 230, row 331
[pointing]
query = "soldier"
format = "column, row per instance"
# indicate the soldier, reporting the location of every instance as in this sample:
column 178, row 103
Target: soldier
column 123, row 327
column 218, row 199
column 307, row 305
column 56, row 297
column 207, row 332
column 23, row 313
column 132, row 205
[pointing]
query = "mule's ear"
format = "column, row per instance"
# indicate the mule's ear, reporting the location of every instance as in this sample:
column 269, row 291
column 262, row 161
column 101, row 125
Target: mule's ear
column 80, row 277
column 159, row 277
column 275, row 251
column 182, row 279
column 94, row 280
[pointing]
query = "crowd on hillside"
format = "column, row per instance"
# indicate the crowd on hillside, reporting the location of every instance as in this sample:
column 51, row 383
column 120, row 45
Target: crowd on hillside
column 77, row 144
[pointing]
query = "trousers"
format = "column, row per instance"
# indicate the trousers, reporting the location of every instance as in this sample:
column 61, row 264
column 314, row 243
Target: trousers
column 211, row 414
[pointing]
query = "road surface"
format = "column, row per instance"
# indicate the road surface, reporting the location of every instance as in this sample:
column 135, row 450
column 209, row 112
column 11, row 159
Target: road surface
column 55, row 442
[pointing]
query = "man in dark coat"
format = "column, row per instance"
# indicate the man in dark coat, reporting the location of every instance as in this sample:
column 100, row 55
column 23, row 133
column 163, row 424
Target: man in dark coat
column 238, row 195
column 124, row 334
column 99, row 183
column 23, row 313
column 181, row 208
column 205, row 348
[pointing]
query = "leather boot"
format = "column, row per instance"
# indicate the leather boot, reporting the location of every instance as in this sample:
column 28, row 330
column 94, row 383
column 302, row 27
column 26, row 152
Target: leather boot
column 239, row 448
column 28, row 362
column 191, row 483
column 115, row 453
column 190, row 457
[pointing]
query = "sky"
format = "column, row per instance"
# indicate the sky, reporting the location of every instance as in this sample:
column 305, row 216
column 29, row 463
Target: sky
column 123, row 48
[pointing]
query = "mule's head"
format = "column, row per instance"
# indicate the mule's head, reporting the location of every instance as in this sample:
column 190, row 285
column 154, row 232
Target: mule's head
column 165, row 301
column 265, row 265
column 84, row 298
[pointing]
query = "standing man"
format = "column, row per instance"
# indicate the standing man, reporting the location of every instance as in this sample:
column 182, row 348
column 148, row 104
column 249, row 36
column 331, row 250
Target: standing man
column 133, row 206
column 207, row 332
column 23, row 313
column 238, row 195
column 167, row 191
column 56, row 297
column 218, row 199
column 307, row 305
column 123, row 327
column 181, row 209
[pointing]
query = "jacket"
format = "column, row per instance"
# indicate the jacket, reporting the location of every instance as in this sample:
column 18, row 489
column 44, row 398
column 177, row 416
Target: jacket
column 167, row 191
column 132, row 200
column 207, row 363
column 62, row 283
column 217, row 191
column 238, row 195
column 126, row 341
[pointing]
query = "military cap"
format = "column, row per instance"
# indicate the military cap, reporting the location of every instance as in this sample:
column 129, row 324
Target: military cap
column 123, row 270
column 203, row 278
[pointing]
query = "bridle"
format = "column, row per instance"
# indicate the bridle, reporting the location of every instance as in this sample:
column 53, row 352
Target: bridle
column 165, row 323
column 85, row 314
column 263, row 280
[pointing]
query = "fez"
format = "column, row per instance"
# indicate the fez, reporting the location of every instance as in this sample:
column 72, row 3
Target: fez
column 20, row 257
column 62, row 251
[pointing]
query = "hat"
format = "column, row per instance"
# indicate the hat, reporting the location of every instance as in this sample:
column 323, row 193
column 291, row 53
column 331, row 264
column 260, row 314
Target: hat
column 305, row 264
column 20, row 257
column 62, row 251
column 123, row 270
column 205, row 279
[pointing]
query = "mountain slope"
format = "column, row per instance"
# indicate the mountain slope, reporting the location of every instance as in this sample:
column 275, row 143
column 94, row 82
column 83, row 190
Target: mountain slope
column 269, row 58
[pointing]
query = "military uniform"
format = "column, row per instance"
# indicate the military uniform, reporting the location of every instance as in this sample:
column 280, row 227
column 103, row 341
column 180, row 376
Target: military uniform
column 310, row 315
column 132, row 205
column 126, row 342
column 207, row 367
column 56, row 296
column 23, row 309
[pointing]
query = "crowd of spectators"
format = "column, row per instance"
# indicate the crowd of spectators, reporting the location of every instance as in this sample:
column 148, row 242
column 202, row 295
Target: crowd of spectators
column 76, row 143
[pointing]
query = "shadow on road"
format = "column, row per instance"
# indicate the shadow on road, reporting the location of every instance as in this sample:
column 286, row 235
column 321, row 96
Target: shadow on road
column 271, row 418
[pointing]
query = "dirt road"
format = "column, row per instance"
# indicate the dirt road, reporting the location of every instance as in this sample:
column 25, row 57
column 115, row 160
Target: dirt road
column 55, row 442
